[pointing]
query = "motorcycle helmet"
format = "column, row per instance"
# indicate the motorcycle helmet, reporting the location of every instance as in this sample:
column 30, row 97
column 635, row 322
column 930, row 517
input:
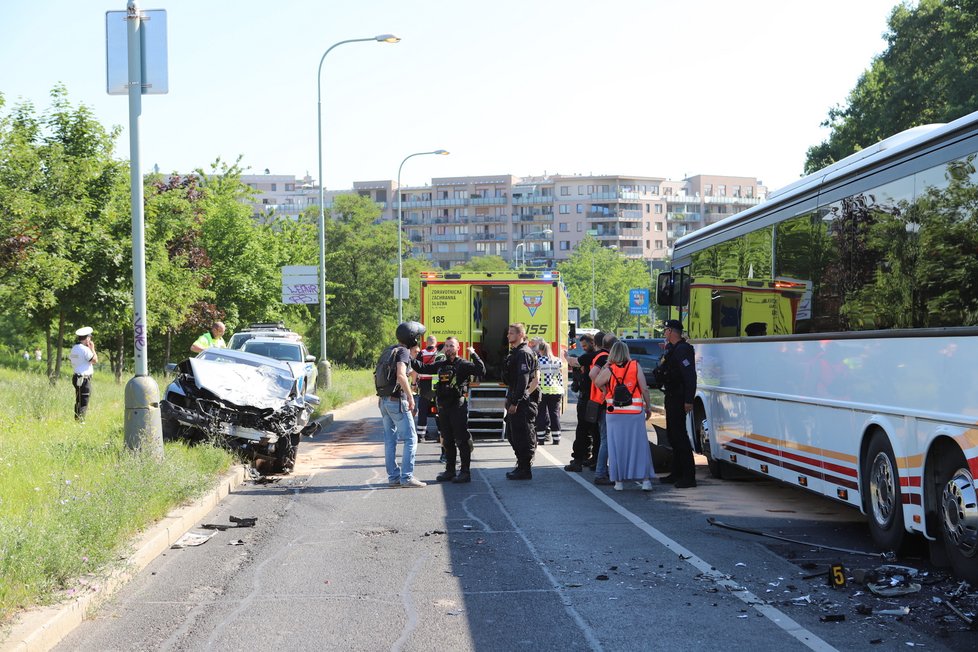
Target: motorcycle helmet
column 409, row 332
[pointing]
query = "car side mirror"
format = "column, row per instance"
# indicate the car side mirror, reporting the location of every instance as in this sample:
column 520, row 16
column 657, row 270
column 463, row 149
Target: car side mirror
column 310, row 358
column 312, row 399
column 171, row 368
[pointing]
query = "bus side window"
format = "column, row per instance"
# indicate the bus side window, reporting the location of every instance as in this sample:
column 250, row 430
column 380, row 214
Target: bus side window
column 663, row 293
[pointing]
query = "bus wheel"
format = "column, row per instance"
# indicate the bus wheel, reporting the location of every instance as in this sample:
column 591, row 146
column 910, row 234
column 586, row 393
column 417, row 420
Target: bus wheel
column 702, row 427
column 885, row 503
column 959, row 521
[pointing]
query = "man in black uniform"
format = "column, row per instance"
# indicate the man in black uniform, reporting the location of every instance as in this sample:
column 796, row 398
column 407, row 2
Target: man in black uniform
column 679, row 384
column 454, row 375
column 586, row 435
column 521, row 374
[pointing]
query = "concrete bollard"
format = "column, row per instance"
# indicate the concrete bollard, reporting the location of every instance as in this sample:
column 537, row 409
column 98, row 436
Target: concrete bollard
column 143, row 426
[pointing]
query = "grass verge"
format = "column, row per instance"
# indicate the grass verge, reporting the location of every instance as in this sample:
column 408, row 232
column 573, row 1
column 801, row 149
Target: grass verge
column 72, row 496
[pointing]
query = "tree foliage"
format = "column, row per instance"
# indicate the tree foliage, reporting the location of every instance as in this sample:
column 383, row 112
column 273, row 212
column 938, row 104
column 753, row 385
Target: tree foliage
column 613, row 276
column 927, row 74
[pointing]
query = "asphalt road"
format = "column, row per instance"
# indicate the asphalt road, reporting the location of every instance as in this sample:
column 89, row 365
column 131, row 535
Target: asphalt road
column 337, row 560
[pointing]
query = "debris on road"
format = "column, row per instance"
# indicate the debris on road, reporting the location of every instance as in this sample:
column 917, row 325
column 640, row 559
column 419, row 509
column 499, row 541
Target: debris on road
column 747, row 530
column 192, row 538
column 236, row 542
column 235, row 523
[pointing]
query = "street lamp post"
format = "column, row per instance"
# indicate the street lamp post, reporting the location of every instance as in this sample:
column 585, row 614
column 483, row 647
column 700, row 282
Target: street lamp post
column 324, row 371
column 522, row 244
column 400, row 256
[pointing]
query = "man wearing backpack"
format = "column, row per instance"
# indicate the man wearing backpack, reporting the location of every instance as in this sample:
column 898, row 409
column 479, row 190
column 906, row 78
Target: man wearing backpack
column 396, row 404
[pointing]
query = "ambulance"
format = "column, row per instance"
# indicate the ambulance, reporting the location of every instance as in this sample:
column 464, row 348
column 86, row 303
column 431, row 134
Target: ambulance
column 477, row 308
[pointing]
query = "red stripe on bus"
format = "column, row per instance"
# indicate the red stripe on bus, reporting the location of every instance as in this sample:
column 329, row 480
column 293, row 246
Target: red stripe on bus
column 911, row 499
column 910, row 481
column 842, row 482
column 828, row 466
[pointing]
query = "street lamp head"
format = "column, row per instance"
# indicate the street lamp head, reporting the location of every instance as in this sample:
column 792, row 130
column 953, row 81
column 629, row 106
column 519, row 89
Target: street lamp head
column 441, row 152
column 547, row 232
column 387, row 38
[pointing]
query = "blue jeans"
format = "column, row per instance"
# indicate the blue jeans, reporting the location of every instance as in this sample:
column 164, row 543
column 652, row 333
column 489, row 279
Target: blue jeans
column 398, row 426
column 601, row 470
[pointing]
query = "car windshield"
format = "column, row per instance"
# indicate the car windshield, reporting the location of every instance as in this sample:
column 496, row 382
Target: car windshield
column 275, row 350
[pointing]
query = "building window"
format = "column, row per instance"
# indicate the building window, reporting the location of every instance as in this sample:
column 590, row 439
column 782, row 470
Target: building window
column 654, row 190
column 658, row 226
column 274, row 187
column 708, row 189
column 648, row 226
column 721, row 191
column 564, row 191
column 658, row 244
column 580, row 226
column 606, row 189
column 564, row 209
column 580, row 190
column 658, row 209
column 580, row 208
column 565, row 245
column 736, row 191
column 264, row 201
column 590, row 190
column 564, row 227
column 442, row 194
column 648, row 208
column 289, row 187
column 647, row 244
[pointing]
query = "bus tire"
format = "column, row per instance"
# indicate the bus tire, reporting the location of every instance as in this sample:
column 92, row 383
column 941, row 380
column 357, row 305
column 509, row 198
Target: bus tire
column 884, row 501
column 958, row 509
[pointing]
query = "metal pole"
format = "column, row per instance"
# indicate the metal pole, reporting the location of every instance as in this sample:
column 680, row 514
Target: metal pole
column 593, row 309
column 400, row 263
column 142, row 428
column 323, row 380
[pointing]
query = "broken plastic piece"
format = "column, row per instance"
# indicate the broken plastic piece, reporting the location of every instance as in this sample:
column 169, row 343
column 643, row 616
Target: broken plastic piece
column 899, row 611
column 893, row 591
column 832, row 618
column 248, row 521
column 236, row 542
column 192, row 539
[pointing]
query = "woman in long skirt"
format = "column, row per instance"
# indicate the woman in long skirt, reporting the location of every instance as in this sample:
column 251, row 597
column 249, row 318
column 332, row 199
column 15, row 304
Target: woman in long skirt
column 629, row 407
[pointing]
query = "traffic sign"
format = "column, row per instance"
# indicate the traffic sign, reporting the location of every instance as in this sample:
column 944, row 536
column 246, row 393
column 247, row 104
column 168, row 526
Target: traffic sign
column 638, row 301
column 300, row 284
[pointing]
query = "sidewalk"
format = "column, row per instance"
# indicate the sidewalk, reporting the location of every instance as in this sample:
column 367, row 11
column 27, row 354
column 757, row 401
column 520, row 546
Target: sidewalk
column 42, row 628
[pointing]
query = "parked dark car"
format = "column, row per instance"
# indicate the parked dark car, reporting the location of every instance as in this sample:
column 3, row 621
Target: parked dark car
column 249, row 403
column 647, row 351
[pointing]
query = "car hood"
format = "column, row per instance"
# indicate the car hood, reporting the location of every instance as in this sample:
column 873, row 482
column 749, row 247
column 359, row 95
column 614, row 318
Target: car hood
column 260, row 387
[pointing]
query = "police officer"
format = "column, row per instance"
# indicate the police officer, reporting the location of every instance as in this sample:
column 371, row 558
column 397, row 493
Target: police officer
column 679, row 385
column 83, row 357
column 521, row 374
column 586, row 435
column 454, row 375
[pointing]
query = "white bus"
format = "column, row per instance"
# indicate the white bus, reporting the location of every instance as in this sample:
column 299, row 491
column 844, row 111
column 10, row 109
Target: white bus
column 836, row 336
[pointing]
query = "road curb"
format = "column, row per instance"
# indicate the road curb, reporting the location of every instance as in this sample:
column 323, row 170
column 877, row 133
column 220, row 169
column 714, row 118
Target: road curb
column 42, row 628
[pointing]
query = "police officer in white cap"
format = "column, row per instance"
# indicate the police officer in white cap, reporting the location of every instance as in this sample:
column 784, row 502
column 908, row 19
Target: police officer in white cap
column 83, row 359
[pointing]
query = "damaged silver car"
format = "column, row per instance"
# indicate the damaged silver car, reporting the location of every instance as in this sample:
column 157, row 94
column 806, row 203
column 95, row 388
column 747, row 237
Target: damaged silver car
column 249, row 403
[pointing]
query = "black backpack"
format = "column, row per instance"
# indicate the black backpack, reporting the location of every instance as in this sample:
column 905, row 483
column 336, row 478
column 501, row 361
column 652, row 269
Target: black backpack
column 622, row 396
column 385, row 375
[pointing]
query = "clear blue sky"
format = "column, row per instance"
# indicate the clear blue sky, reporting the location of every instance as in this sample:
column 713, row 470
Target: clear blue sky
column 642, row 87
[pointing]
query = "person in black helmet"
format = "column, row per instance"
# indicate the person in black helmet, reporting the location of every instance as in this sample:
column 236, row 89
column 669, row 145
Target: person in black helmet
column 679, row 384
column 397, row 408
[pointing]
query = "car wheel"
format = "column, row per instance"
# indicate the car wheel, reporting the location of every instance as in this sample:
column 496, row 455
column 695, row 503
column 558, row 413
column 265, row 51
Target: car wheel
column 884, row 500
column 286, row 449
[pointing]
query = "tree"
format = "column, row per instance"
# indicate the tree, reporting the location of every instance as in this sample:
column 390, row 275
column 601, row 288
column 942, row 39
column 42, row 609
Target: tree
column 614, row 275
column 483, row 264
column 927, row 74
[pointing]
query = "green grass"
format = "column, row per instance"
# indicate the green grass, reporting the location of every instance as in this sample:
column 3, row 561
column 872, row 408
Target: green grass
column 72, row 496
column 347, row 385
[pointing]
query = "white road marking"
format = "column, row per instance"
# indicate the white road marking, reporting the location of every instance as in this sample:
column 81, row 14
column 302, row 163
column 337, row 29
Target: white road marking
column 485, row 526
column 409, row 610
column 776, row 616
column 558, row 588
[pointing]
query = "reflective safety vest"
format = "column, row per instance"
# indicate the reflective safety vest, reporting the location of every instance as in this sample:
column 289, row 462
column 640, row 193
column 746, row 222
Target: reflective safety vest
column 427, row 357
column 597, row 395
column 551, row 378
column 629, row 378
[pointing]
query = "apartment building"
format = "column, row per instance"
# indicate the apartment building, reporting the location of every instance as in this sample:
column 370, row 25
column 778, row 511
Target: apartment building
column 542, row 219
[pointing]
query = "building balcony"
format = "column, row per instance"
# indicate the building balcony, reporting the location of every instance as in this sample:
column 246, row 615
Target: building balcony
column 490, row 236
column 488, row 219
column 453, row 237
column 414, row 204
column 618, row 195
column 617, row 233
column 451, row 201
column 533, row 199
column 685, row 217
column 488, row 201
column 631, row 251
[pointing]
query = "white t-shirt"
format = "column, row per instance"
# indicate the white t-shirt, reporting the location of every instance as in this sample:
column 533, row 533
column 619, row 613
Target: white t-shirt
column 81, row 360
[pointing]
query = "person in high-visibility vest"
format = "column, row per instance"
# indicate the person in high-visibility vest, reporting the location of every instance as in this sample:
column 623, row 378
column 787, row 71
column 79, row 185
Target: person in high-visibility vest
column 213, row 339
column 629, row 407
column 552, row 394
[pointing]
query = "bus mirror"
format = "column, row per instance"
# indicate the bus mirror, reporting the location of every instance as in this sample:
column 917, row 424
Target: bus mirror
column 663, row 291
column 572, row 336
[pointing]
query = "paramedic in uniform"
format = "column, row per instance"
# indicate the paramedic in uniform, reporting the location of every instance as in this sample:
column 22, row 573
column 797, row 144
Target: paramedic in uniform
column 83, row 359
column 454, row 374
column 679, row 388
column 521, row 375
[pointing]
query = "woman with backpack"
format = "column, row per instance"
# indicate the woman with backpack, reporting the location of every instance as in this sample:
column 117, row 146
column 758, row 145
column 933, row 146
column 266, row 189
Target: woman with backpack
column 629, row 407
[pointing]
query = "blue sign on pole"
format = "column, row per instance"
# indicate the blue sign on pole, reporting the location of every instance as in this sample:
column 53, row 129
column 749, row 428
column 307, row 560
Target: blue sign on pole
column 638, row 302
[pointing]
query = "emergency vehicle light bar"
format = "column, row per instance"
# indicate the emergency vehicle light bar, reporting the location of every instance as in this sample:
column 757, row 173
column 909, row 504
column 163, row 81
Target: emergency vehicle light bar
column 549, row 275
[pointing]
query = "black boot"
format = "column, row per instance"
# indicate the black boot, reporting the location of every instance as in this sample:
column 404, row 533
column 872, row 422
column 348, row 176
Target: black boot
column 463, row 476
column 445, row 476
column 574, row 466
column 520, row 473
